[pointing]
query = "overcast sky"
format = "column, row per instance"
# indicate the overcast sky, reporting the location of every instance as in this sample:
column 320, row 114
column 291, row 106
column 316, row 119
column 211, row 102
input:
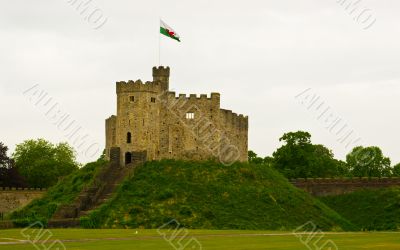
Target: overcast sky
column 259, row 55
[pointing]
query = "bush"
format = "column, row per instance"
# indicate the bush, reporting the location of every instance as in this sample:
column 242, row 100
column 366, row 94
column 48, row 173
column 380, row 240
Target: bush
column 369, row 209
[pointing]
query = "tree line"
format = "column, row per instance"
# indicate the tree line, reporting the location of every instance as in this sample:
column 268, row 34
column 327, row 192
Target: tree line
column 36, row 163
column 40, row 164
column 299, row 158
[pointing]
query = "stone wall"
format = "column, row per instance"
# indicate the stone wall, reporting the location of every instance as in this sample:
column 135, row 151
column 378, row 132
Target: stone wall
column 11, row 199
column 235, row 131
column 155, row 119
column 138, row 114
column 196, row 138
column 330, row 186
column 111, row 130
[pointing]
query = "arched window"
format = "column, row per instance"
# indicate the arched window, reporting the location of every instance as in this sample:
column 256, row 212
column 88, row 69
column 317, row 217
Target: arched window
column 128, row 158
column 128, row 137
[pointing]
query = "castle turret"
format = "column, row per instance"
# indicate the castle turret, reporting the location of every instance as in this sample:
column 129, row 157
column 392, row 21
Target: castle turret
column 161, row 74
column 153, row 122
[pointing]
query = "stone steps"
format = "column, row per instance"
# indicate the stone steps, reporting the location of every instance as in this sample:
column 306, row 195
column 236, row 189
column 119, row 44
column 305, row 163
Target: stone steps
column 101, row 191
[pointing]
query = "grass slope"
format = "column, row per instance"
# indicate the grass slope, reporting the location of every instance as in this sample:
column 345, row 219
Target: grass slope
column 212, row 196
column 369, row 209
column 64, row 192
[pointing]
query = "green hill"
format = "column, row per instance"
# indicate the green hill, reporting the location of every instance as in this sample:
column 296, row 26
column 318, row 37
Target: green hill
column 64, row 192
column 209, row 195
column 369, row 209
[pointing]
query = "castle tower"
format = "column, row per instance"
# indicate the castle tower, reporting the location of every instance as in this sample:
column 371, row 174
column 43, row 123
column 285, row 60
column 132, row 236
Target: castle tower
column 161, row 75
column 137, row 120
column 154, row 122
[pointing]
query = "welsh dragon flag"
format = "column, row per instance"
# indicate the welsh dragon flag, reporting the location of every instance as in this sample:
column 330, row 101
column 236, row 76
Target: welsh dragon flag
column 168, row 31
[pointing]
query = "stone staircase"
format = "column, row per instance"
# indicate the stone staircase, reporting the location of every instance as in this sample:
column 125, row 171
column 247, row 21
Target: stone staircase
column 100, row 191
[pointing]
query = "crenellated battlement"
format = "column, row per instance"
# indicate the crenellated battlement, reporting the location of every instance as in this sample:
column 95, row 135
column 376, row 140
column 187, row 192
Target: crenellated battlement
column 161, row 71
column 171, row 95
column 112, row 118
column 215, row 96
column 22, row 189
column 166, row 124
column 137, row 86
column 212, row 96
column 237, row 120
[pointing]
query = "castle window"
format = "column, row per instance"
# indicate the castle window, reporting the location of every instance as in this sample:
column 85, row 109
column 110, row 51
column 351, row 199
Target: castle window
column 190, row 116
column 131, row 98
column 128, row 137
column 153, row 99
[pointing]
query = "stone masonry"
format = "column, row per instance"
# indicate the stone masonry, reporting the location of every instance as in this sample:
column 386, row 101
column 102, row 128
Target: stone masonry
column 339, row 186
column 12, row 198
column 153, row 121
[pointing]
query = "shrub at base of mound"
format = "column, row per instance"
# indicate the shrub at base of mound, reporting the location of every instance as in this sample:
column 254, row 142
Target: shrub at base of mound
column 369, row 209
column 64, row 192
column 209, row 195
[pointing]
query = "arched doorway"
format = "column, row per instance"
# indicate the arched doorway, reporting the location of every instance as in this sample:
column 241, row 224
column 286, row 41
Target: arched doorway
column 128, row 158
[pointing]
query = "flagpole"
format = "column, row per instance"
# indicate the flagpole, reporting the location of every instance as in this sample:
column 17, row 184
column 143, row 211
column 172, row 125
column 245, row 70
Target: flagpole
column 159, row 45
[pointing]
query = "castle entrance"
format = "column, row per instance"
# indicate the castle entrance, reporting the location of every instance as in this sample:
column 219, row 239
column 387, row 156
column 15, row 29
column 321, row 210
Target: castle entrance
column 128, row 158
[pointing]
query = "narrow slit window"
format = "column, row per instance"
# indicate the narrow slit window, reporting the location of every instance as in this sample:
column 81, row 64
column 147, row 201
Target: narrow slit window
column 128, row 137
column 131, row 98
column 153, row 99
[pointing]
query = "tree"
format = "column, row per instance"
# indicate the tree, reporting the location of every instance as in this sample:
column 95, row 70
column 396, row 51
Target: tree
column 3, row 155
column 343, row 169
column 296, row 138
column 396, row 170
column 268, row 160
column 9, row 175
column 253, row 158
column 42, row 163
column 368, row 162
column 299, row 158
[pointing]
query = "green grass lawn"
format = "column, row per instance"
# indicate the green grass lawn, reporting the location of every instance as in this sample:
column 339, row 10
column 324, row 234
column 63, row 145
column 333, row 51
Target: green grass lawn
column 99, row 239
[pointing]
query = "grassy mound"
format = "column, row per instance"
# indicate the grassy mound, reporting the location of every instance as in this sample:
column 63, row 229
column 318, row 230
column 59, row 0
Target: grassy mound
column 369, row 209
column 64, row 192
column 212, row 196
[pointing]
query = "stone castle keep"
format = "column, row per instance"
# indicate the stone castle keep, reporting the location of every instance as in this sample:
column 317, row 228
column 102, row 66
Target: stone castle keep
column 152, row 123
